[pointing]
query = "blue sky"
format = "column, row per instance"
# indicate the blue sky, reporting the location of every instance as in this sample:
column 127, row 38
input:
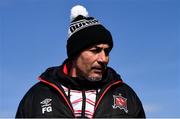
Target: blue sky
column 146, row 34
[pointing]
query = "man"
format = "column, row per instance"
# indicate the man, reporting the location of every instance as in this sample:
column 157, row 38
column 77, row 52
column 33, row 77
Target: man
column 83, row 86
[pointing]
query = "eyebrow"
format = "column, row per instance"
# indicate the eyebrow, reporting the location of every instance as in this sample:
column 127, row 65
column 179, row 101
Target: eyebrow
column 96, row 47
column 100, row 47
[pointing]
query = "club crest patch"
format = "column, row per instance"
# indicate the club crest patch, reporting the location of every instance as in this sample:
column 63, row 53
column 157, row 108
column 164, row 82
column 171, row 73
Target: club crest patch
column 120, row 102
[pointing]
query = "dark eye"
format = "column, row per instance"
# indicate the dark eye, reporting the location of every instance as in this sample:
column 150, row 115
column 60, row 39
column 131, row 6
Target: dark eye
column 107, row 51
column 95, row 50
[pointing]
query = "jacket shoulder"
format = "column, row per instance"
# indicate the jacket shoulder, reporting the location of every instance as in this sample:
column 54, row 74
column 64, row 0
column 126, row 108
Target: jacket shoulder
column 32, row 100
column 133, row 101
column 38, row 90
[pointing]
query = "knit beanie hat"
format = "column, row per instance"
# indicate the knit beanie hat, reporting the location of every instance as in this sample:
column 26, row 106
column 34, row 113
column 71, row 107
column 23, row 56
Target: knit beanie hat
column 84, row 32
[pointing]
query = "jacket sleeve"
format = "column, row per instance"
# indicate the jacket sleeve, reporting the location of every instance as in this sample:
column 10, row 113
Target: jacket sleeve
column 29, row 104
column 20, row 112
column 140, row 113
column 140, row 110
column 25, row 107
column 135, row 103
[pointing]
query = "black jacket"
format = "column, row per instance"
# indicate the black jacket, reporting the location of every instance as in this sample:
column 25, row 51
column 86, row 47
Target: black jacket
column 48, row 99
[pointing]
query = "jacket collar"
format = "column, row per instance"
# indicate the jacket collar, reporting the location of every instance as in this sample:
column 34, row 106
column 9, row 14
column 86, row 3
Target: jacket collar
column 59, row 75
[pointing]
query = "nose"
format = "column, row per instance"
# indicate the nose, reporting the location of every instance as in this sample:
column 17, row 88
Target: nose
column 103, row 57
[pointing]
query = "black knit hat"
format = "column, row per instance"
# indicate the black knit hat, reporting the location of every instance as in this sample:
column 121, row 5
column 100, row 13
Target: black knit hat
column 85, row 32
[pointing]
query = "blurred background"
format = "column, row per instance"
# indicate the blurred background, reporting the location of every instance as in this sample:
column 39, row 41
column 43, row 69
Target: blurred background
column 146, row 53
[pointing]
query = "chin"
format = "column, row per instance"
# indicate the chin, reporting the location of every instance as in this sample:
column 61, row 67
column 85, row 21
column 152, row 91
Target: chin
column 95, row 78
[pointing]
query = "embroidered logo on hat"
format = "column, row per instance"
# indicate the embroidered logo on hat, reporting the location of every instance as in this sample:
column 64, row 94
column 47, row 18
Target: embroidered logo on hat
column 78, row 25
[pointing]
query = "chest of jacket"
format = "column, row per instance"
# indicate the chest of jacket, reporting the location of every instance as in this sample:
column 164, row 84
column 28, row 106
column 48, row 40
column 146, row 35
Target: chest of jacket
column 113, row 101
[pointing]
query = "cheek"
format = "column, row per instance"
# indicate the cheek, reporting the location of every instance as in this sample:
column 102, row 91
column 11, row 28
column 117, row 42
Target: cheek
column 85, row 62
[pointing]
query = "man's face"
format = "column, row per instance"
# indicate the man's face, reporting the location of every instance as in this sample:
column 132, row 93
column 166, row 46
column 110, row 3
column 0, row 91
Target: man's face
column 92, row 62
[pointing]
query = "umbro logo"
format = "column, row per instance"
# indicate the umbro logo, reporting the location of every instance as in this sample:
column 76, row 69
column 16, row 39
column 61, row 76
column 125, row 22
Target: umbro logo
column 46, row 105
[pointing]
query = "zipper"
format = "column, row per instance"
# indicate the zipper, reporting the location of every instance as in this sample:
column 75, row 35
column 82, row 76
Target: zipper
column 83, row 103
column 61, row 93
column 102, row 95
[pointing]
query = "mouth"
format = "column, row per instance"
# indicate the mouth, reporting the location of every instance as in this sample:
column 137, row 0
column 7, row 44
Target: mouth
column 98, row 69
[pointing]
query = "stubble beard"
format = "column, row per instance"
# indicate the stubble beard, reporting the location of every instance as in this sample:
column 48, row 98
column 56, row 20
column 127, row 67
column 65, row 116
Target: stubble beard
column 89, row 78
column 94, row 78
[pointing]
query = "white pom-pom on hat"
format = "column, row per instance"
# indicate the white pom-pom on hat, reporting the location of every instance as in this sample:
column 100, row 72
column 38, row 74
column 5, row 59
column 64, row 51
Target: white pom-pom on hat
column 78, row 10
